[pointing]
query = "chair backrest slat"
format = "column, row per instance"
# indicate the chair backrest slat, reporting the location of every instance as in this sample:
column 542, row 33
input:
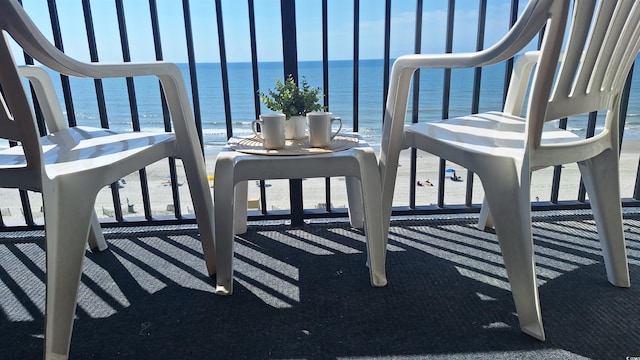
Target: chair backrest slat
column 573, row 59
column 598, row 55
column 629, row 41
column 610, row 52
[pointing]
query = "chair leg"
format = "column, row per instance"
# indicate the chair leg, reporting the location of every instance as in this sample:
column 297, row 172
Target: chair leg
column 511, row 212
column 374, row 227
column 65, row 248
column 96, row 238
column 354, row 196
column 202, row 206
column 223, row 195
column 601, row 179
column 240, row 207
column 484, row 220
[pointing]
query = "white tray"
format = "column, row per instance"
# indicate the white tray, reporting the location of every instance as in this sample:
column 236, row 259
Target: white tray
column 253, row 145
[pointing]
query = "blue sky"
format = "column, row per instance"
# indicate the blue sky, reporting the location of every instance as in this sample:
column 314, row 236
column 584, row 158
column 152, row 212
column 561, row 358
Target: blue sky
column 268, row 26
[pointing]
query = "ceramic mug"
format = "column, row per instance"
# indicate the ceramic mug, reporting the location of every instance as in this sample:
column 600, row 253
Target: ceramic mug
column 272, row 130
column 320, row 125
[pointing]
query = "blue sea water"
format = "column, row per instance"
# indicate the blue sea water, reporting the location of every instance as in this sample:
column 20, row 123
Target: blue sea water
column 211, row 104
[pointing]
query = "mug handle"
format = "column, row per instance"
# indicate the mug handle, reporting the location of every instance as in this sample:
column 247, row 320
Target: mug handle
column 339, row 128
column 254, row 127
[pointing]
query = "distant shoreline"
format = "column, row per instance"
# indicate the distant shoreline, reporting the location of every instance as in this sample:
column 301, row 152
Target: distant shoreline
column 276, row 62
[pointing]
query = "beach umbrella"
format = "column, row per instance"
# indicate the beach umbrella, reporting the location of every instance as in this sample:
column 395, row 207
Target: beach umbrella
column 450, row 170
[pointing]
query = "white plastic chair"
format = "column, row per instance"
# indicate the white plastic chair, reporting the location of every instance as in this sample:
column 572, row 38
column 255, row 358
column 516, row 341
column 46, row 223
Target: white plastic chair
column 71, row 164
column 358, row 164
column 503, row 148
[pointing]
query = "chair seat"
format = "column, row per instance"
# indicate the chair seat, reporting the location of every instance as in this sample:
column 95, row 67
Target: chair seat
column 492, row 133
column 88, row 148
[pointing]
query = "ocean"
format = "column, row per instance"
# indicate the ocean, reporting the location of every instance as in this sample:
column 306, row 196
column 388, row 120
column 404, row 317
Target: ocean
column 340, row 94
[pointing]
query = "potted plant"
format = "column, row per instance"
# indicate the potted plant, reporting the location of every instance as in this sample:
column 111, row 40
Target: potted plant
column 295, row 102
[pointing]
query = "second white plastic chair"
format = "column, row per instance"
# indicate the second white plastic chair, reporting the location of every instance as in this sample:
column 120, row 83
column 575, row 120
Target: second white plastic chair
column 503, row 148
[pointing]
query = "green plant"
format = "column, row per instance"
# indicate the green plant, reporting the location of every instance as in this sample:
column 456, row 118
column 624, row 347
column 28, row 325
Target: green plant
column 292, row 100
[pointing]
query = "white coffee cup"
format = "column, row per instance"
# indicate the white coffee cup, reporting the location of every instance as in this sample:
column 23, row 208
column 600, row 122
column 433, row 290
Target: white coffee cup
column 271, row 130
column 320, row 126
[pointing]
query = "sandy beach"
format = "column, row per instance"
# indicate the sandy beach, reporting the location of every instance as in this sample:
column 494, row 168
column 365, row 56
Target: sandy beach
column 427, row 169
column 277, row 191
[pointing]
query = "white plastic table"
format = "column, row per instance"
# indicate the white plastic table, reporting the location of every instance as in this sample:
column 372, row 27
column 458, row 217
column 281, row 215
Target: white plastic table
column 245, row 159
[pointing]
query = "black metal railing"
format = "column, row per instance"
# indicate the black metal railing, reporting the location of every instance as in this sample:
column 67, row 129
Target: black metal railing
column 297, row 212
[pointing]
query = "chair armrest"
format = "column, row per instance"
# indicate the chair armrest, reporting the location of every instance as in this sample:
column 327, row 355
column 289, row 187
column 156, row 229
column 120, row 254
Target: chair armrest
column 170, row 76
column 528, row 25
column 520, row 81
column 173, row 87
column 18, row 24
column 519, row 84
column 46, row 96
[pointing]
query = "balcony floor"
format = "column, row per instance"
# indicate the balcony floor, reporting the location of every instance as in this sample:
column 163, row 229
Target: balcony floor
column 305, row 293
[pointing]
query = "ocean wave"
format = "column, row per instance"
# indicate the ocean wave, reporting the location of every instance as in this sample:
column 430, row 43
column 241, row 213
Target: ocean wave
column 82, row 116
column 149, row 116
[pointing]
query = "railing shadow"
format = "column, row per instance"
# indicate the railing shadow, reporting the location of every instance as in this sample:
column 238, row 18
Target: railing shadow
column 305, row 293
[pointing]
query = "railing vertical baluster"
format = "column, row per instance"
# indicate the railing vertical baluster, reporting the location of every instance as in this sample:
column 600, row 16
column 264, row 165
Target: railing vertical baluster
column 126, row 56
column 193, row 77
column 57, row 39
column 26, row 207
column 636, row 188
column 477, row 82
column 28, row 60
column 256, row 87
column 591, row 129
column 290, row 59
column 446, row 91
column 624, row 106
column 135, row 119
column 157, row 45
column 325, row 87
column 102, row 108
column 509, row 63
column 356, row 63
column 386, row 55
column 289, row 38
column 155, row 30
column 24, row 198
column 557, row 171
column 224, row 69
column 254, row 57
column 93, row 55
column 415, row 105
column 477, row 75
column 325, row 53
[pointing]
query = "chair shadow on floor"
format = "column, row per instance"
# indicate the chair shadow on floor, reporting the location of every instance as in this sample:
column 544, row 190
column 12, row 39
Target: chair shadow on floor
column 313, row 299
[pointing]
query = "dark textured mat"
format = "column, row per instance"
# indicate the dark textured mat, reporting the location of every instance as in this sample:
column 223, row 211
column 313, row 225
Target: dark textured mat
column 305, row 293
